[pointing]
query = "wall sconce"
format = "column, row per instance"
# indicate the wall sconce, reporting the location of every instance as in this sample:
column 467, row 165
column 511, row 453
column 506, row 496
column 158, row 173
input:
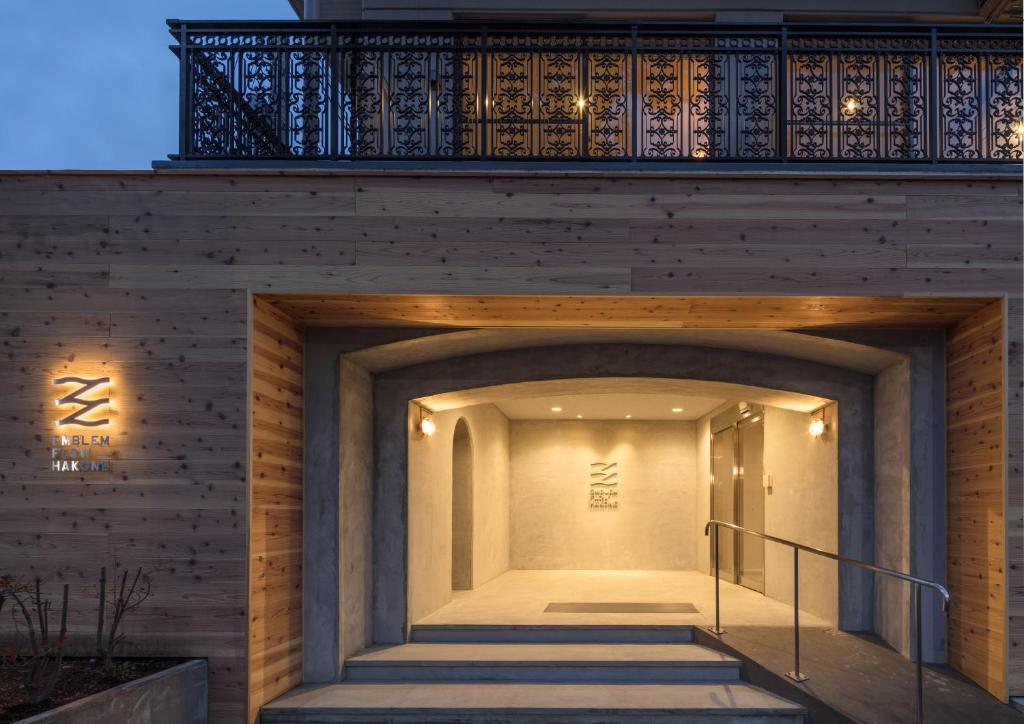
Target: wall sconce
column 425, row 424
column 818, row 425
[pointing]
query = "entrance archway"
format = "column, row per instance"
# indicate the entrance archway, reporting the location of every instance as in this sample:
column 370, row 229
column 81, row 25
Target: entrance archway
column 462, row 508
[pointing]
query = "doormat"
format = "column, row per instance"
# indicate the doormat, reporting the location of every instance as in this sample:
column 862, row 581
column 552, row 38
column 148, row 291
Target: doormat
column 603, row 607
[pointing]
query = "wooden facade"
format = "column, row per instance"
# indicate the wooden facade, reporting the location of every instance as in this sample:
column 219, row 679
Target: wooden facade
column 976, row 492
column 148, row 276
column 275, row 506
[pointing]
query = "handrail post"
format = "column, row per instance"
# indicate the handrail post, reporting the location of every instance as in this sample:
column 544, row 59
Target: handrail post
column 917, row 645
column 796, row 674
column 717, row 630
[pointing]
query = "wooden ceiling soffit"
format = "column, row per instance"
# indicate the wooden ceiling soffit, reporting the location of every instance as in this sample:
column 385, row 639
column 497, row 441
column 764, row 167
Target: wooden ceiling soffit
column 369, row 310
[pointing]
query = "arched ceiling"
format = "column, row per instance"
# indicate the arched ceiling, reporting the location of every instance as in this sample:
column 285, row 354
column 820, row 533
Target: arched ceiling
column 623, row 385
column 405, row 353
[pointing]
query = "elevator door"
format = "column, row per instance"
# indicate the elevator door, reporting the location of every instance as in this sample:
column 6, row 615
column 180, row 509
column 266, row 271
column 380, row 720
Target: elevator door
column 737, row 496
column 750, row 502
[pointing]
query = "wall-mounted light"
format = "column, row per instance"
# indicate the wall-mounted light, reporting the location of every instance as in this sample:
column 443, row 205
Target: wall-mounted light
column 851, row 105
column 556, row 409
column 818, row 425
column 629, row 417
column 677, row 409
column 579, row 417
column 581, row 103
column 425, row 424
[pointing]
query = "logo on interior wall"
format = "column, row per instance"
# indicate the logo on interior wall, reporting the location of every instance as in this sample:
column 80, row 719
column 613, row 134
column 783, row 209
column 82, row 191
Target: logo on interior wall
column 604, row 486
column 84, row 404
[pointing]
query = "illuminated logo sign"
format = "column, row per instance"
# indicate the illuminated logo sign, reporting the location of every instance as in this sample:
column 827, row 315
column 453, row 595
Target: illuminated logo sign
column 75, row 453
column 86, row 405
column 604, row 486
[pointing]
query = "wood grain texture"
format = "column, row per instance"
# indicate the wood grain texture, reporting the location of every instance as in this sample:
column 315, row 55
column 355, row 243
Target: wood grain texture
column 976, row 490
column 275, row 507
column 752, row 312
column 148, row 274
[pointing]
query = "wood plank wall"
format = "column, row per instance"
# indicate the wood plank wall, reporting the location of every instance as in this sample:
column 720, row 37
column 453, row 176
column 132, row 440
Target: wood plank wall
column 1014, row 312
column 275, row 509
column 146, row 274
column 173, row 501
column 976, row 488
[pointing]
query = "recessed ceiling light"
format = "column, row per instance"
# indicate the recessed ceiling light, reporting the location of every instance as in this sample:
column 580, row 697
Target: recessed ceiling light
column 677, row 409
column 556, row 409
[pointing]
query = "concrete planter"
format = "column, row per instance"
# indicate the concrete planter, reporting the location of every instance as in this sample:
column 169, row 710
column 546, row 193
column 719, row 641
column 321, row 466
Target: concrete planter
column 177, row 695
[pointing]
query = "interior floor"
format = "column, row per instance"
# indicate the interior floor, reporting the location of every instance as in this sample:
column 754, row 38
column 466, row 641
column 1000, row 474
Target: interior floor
column 520, row 598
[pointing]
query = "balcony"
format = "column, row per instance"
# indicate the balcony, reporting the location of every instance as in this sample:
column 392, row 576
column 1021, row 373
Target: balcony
column 364, row 94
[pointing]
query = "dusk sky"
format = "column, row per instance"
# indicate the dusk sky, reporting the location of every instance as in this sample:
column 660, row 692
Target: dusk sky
column 93, row 85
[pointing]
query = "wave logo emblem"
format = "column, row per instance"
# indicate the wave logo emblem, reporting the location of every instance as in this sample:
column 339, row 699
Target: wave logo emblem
column 604, row 486
column 89, row 405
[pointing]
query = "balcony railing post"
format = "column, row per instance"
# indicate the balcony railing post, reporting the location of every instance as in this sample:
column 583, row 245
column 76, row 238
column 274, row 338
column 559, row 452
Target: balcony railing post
column 636, row 111
column 783, row 111
column 333, row 110
column 796, row 674
column 184, row 99
column 934, row 88
column 483, row 92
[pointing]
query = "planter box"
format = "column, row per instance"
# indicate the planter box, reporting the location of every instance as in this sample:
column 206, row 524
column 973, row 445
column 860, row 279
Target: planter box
column 177, row 695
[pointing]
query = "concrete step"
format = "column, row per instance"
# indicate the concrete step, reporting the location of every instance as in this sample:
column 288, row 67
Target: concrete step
column 480, row 703
column 591, row 663
column 552, row 633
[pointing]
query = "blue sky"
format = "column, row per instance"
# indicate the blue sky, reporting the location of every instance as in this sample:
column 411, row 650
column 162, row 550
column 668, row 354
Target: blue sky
column 91, row 83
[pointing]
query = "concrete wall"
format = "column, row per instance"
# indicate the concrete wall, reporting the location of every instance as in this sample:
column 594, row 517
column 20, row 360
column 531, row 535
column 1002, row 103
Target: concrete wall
column 177, row 695
column 925, row 516
column 802, row 506
column 654, row 526
column 430, row 504
column 892, row 503
column 356, row 508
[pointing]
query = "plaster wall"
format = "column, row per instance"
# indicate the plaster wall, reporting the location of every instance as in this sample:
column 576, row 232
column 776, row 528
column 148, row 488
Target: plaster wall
column 803, row 506
column 430, row 504
column 654, row 525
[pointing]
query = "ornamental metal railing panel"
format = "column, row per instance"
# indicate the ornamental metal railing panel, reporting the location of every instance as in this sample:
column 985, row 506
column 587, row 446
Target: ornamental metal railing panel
column 599, row 92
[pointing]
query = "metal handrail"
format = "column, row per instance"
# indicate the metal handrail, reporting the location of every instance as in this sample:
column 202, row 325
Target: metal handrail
column 796, row 675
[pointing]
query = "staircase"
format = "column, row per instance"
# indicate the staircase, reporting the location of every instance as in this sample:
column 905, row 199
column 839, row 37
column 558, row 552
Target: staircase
column 538, row 674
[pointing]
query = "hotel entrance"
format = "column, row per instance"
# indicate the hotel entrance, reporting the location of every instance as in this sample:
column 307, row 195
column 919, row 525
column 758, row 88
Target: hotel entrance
column 584, row 502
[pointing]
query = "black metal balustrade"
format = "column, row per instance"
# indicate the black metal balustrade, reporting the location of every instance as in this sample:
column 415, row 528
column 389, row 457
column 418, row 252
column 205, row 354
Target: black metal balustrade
column 599, row 92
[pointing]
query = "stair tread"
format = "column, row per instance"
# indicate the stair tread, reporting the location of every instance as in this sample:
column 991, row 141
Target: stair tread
column 553, row 626
column 575, row 654
column 464, row 698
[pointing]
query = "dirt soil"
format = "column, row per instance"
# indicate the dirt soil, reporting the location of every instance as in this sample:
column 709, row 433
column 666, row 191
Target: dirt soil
column 79, row 677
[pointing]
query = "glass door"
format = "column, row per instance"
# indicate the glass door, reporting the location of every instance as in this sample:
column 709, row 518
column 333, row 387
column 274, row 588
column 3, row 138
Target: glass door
column 750, row 501
column 723, row 498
